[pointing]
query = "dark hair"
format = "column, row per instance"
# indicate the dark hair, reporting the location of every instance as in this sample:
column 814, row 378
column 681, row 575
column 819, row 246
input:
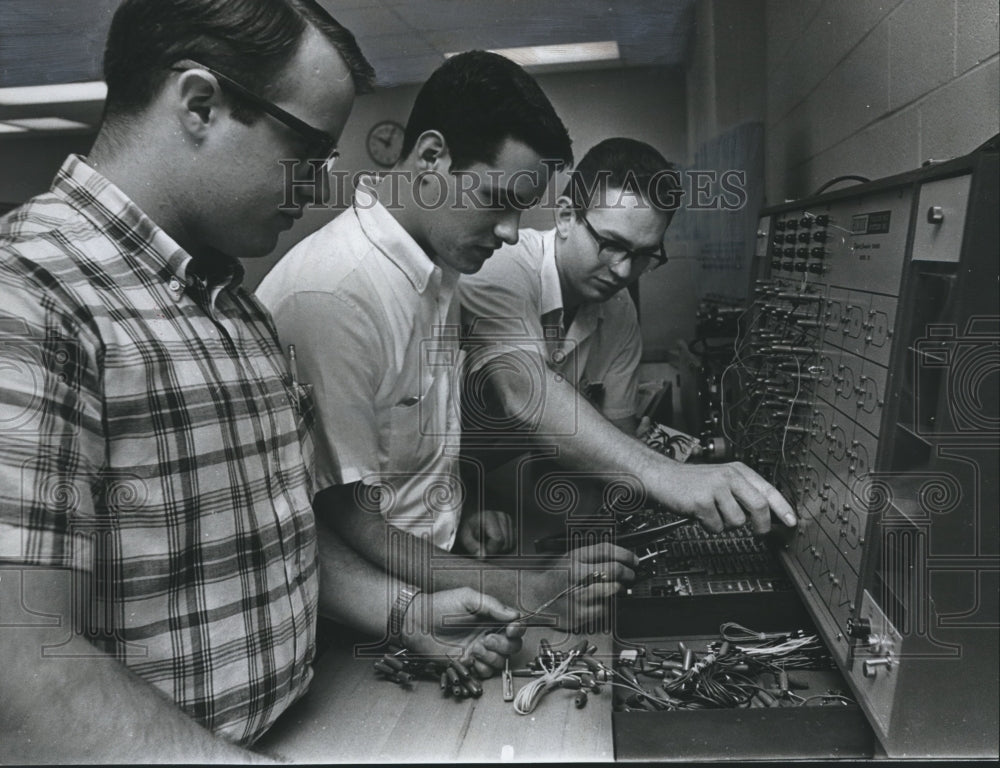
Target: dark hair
column 249, row 40
column 627, row 165
column 477, row 100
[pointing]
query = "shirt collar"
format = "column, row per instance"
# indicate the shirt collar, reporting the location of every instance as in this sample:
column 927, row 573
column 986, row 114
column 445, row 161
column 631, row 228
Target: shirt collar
column 119, row 218
column 587, row 315
column 551, row 291
column 395, row 243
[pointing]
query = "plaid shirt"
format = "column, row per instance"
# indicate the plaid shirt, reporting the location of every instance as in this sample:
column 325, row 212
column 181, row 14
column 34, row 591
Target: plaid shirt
column 152, row 445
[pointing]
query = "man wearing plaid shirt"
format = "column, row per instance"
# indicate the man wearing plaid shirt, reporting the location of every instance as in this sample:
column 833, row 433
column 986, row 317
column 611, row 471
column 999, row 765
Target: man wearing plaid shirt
column 159, row 579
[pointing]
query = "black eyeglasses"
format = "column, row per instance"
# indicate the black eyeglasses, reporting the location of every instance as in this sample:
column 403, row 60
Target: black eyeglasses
column 613, row 253
column 320, row 144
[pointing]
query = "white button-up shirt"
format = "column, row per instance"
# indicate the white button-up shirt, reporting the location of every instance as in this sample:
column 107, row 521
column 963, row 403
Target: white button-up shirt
column 516, row 295
column 375, row 326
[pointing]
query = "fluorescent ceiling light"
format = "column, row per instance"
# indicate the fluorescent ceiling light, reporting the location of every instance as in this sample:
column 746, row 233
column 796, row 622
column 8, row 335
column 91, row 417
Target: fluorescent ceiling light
column 48, row 124
column 5, row 128
column 567, row 53
column 66, row 93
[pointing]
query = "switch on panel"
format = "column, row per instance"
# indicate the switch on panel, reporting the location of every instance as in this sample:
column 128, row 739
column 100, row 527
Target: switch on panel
column 938, row 233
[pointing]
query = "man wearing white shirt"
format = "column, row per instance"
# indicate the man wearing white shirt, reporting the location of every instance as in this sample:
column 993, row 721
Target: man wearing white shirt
column 555, row 345
column 369, row 304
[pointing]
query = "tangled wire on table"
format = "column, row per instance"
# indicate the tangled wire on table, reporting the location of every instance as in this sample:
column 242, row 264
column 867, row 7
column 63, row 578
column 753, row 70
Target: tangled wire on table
column 729, row 674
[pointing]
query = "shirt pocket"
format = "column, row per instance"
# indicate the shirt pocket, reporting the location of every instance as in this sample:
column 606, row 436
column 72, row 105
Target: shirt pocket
column 418, row 427
column 301, row 398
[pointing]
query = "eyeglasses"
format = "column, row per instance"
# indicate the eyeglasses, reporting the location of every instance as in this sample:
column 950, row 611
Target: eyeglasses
column 319, row 143
column 613, row 253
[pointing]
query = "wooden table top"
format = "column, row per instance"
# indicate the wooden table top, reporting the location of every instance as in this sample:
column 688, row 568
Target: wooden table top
column 350, row 715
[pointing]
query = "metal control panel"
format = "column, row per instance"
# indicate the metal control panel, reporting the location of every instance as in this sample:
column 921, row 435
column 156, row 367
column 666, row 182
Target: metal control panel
column 865, row 386
column 815, row 353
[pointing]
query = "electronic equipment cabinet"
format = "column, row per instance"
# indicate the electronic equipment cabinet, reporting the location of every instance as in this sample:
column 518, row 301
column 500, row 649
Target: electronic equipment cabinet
column 865, row 384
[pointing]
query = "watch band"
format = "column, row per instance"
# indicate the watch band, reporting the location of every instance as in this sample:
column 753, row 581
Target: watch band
column 396, row 615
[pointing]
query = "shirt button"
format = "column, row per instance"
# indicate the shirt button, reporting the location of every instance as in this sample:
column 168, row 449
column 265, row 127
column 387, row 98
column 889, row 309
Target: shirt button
column 175, row 285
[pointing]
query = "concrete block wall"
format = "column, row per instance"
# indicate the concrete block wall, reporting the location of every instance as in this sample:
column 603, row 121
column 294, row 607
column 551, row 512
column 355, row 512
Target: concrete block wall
column 875, row 87
column 725, row 71
column 725, row 94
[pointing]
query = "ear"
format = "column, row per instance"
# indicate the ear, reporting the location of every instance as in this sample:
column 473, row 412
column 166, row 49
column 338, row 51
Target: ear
column 198, row 102
column 430, row 152
column 565, row 216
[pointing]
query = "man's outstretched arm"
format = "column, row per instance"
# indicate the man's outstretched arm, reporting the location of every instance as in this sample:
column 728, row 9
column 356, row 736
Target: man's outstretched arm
column 411, row 559
column 718, row 495
column 355, row 592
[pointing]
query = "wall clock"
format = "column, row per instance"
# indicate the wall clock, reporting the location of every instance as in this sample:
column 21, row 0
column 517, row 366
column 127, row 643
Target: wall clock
column 385, row 142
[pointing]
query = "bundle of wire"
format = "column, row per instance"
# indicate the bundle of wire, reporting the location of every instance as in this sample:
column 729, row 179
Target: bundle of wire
column 764, row 420
column 728, row 674
column 775, row 650
column 559, row 676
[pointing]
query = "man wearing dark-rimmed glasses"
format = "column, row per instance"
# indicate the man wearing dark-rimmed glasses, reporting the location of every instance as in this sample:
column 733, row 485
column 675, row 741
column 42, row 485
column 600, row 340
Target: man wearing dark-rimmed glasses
column 317, row 145
column 554, row 346
column 159, row 556
column 568, row 281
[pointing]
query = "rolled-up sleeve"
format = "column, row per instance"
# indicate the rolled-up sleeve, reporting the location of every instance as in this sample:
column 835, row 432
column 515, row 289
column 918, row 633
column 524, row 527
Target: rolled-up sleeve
column 500, row 312
column 623, row 345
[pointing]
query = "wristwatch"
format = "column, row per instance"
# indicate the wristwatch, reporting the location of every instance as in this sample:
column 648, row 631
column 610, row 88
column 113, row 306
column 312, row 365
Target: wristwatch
column 403, row 599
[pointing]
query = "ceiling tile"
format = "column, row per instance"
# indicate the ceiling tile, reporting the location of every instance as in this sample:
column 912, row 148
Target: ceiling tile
column 406, row 70
column 372, row 21
column 383, row 47
column 337, row 6
column 457, row 14
column 54, row 42
column 51, row 42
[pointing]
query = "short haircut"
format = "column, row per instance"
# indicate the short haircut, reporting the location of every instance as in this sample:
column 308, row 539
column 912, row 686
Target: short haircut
column 249, row 40
column 477, row 100
column 627, row 165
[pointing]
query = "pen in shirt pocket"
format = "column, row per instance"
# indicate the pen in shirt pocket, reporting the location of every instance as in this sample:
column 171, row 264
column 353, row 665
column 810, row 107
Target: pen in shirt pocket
column 293, row 366
column 302, row 399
